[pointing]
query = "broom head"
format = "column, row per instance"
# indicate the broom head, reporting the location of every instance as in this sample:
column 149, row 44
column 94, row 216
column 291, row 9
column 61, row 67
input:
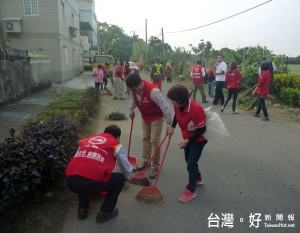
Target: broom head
column 150, row 194
column 140, row 179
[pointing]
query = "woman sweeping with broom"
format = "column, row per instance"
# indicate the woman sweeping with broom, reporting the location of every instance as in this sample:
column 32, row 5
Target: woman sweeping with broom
column 191, row 119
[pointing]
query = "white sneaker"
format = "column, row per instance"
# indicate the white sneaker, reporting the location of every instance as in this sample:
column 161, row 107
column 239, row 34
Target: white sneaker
column 235, row 112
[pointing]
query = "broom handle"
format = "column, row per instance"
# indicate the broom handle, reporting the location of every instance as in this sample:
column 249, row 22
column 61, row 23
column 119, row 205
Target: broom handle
column 155, row 153
column 130, row 137
column 163, row 159
column 247, row 87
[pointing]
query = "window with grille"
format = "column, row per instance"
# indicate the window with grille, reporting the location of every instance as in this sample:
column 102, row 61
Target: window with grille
column 31, row 7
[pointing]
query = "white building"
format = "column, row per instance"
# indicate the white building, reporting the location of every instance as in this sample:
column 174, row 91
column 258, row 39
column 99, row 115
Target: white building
column 88, row 29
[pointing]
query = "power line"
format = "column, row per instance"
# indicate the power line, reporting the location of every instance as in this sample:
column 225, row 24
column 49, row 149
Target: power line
column 140, row 29
column 221, row 19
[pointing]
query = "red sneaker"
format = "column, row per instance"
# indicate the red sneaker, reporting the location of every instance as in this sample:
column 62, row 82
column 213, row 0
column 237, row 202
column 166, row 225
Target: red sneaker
column 187, row 196
column 200, row 181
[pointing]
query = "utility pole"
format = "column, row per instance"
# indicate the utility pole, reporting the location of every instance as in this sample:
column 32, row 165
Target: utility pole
column 162, row 39
column 146, row 30
column 203, row 49
column 133, row 43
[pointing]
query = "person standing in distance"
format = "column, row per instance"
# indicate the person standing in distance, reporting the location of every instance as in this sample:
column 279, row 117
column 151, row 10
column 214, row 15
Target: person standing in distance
column 262, row 90
column 157, row 73
column 198, row 75
column 220, row 69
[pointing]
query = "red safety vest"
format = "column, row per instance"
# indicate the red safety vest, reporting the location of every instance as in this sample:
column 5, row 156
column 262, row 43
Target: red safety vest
column 119, row 71
column 95, row 158
column 149, row 110
column 197, row 74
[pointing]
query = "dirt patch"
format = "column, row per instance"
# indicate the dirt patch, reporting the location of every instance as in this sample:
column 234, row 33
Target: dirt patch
column 283, row 114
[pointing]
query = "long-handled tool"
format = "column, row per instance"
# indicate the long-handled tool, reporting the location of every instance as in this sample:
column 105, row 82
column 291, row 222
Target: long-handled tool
column 152, row 193
column 254, row 103
column 140, row 178
column 251, row 89
column 131, row 158
column 191, row 92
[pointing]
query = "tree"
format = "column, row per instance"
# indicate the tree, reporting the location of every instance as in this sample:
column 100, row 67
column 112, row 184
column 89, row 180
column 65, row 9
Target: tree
column 112, row 40
column 140, row 51
column 202, row 51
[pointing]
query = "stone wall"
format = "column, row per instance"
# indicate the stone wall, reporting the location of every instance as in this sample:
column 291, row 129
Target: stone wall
column 20, row 78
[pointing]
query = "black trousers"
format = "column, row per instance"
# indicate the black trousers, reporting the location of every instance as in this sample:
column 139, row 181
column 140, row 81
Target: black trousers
column 261, row 105
column 232, row 92
column 219, row 92
column 105, row 82
column 192, row 154
column 85, row 188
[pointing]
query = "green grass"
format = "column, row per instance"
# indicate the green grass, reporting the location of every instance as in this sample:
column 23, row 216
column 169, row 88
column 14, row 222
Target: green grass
column 294, row 68
column 67, row 105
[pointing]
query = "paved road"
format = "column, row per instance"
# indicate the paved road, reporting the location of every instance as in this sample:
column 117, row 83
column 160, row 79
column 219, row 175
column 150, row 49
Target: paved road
column 254, row 171
column 16, row 114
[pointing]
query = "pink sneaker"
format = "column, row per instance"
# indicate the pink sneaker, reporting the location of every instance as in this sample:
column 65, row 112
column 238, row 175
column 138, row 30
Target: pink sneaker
column 187, row 196
column 200, row 181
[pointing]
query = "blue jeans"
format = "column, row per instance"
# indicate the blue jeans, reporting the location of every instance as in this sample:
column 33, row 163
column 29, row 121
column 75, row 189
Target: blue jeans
column 192, row 154
column 211, row 88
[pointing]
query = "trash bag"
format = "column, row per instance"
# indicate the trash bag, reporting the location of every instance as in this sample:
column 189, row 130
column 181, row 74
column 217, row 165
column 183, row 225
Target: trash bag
column 215, row 127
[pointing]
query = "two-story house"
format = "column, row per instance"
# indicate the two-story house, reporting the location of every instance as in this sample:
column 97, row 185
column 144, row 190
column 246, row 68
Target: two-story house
column 47, row 27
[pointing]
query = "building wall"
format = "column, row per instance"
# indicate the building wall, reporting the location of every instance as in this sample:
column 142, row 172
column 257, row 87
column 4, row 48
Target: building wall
column 48, row 34
column 70, row 48
column 87, row 14
column 19, row 78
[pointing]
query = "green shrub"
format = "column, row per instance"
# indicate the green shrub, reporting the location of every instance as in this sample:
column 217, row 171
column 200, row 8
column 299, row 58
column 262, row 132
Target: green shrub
column 250, row 74
column 78, row 107
column 31, row 164
column 286, row 80
column 34, row 161
column 290, row 95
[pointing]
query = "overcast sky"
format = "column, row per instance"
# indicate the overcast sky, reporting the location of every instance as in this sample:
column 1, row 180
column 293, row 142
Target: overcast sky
column 275, row 24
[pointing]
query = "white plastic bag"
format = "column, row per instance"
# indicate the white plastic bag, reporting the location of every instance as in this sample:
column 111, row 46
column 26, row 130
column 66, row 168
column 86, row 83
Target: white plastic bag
column 215, row 127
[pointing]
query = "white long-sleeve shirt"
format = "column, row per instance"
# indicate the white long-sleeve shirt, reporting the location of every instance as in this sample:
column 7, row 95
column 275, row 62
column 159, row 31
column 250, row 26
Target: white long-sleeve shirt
column 123, row 163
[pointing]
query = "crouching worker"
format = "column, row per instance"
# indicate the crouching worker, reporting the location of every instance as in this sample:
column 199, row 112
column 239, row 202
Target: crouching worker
column 100, row 164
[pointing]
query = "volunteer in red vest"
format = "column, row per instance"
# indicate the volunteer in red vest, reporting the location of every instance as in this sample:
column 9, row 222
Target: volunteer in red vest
column 197, row 75
column 154, row 110
column 233, row 79
column 100, row 164
column 262, row 90
column 119, row 82
column 157, row 73
column 191, row 119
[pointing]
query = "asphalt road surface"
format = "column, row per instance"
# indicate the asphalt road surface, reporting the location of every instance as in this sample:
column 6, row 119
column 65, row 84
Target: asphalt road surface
column 251, row 181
